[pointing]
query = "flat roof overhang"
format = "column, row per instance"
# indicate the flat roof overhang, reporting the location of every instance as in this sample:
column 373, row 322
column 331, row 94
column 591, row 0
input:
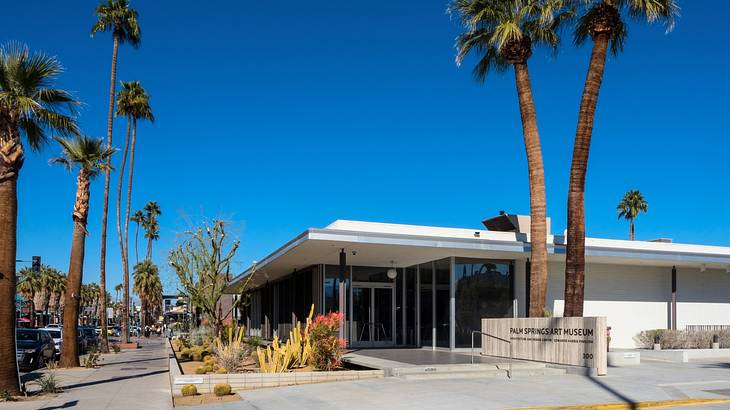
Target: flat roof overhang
column 385, row 249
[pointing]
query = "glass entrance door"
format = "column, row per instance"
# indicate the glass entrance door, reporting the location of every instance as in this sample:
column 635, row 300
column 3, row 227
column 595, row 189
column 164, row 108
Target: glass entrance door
column 373, row 314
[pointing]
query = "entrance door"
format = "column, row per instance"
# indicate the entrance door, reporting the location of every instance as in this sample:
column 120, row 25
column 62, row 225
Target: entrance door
column 372, row 315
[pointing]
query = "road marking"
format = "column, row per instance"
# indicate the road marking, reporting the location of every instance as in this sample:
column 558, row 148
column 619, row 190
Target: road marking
column 630, row 406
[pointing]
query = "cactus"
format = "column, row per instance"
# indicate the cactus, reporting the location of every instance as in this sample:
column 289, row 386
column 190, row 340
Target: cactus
column 222, row 389
column 296, row 352
column 189, row 390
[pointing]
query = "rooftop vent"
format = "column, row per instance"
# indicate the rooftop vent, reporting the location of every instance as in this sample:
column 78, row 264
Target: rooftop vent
column 662, row 240
column 510, row 223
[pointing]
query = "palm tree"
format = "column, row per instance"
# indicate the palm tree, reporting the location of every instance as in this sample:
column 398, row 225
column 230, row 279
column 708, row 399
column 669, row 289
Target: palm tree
column 133, row 102
column 115, row 16
column 502, row 33
column 601, row 20
column 91, row 157
column 152, row 227
column 631, row 205
column 138, row 218
column 30, row 107
column 59, row 288
column 148, row 287
column 118, row 288
column 31, row 283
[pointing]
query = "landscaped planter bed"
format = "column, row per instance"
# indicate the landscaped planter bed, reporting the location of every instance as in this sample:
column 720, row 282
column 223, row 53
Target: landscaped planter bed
column 257, row 380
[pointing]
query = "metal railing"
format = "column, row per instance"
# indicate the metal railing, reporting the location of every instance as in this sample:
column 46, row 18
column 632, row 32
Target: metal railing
column 509, row 343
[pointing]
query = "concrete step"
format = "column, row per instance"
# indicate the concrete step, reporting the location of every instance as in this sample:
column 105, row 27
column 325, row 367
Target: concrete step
column 497, row 373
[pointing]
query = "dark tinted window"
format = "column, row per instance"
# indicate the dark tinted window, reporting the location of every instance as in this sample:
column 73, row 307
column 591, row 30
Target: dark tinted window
column 27, row 335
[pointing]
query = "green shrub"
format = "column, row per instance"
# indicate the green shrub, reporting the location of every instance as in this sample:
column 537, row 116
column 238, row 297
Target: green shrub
column 255, row 341
column 327, row 347
column 189, row 390
column 92, row 359
column 201, row 335
column 6, row 396
column 681, row 339
column 48, row 383
column 223, row 389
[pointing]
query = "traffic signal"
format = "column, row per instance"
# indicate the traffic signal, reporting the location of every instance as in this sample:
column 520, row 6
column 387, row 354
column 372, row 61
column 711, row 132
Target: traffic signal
column 36, row 267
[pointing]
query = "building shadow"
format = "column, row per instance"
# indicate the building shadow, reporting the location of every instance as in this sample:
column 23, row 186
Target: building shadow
column 715, row 366
column 632, row 404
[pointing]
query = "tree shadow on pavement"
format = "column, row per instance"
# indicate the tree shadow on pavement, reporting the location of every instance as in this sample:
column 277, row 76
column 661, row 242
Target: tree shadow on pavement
column 149, row 359
column 614, row 392
column 113, row 379
column 66, row 405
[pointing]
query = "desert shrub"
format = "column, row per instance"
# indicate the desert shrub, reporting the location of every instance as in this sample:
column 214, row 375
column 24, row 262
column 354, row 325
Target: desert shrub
column 5, row 396
column 116, row 348
column 221, row 370
column 48, row 383
column 189, row 390
column 255, row 341
column 230, row 355
column 201, row 335
column 222, row 389
column 327, row 347
column 92, row 359
column 201, row 370
column 682, row 339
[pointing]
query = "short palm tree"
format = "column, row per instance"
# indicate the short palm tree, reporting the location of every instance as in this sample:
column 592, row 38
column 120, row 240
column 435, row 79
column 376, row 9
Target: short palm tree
column 31, row 284
column 148, row 287
column 631, row 205
column 118, row 289
column 502, row 34
column 118, row 18
column 59, row 289
column 139, row 219
column 152, row 227
column 133, row 103
column 30, row 108
column 603, row 22
column 91, row 157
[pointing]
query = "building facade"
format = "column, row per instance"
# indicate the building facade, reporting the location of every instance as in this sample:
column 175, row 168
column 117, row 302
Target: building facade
column 406, row 285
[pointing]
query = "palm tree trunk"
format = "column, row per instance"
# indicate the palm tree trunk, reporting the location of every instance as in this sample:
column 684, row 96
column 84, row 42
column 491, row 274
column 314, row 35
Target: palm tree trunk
column 126, row 218
column 122, row 248
column 575, row 250
column 631, row 229
column 105, row 209
column 32, row 309
column 11, row 160
column 136, row 242
column 69, row 352
column 538, row 223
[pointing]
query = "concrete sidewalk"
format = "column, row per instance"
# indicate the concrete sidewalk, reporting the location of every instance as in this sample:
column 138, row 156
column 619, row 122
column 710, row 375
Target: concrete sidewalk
column 135, row 380
column 649, row 381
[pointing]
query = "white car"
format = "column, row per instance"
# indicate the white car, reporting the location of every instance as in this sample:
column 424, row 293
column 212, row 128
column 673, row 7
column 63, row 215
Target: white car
column 57, row 336
column 54, row 326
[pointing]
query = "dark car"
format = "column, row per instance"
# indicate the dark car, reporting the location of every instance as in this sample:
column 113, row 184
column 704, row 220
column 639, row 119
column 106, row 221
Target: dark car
column 90, row 337
column 34, row 348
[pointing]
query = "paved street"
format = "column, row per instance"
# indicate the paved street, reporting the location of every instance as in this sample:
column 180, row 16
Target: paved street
column 650, row 381
column 129, row 380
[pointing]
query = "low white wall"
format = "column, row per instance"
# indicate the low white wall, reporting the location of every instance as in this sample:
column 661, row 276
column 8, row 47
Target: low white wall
column 703, row 298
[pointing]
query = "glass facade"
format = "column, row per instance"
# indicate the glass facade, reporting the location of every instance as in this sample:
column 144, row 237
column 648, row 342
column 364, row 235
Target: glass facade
column 484, row 289
column 414, row 309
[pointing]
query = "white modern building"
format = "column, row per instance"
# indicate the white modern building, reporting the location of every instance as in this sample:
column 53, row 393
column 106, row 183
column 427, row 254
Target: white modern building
column 407, row 285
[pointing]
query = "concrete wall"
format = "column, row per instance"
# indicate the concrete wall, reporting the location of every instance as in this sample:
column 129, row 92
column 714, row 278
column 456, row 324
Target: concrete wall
column 633, row 298
column 703, row 298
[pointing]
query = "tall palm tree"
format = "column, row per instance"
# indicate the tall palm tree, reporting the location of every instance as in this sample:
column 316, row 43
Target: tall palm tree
column 138, row 218
column 91, row 157
column 152, row 227
column 602, row 22
column 148, row 287
column 503, row 33
column 31, row 283
column 133, row 103
column 631, row 205
column 121, row 20
column 30, row 107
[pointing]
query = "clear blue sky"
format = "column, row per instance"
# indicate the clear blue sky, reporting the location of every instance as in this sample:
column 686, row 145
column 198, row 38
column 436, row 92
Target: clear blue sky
column 283, row 115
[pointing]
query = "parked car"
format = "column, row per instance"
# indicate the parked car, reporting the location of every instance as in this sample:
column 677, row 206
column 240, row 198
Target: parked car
column 34, row 348
column 54, row 326
column 57, row 336
column 89, row 335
